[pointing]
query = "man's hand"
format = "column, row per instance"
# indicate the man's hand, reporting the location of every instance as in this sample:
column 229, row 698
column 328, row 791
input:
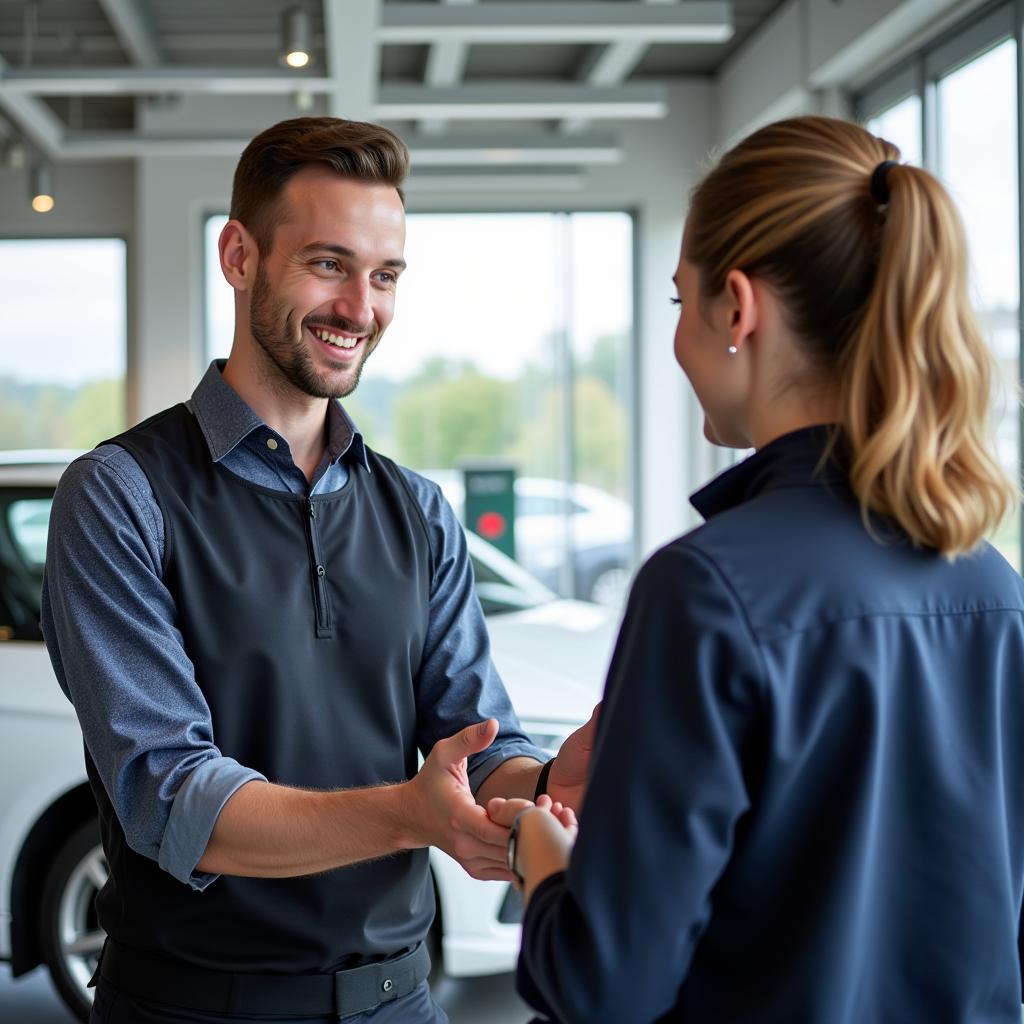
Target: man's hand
column 443, row 813
column 567, row 782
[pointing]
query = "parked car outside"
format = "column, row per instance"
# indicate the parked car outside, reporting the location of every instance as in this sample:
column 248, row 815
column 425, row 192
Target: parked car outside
column 553, row 517
column 551, row 653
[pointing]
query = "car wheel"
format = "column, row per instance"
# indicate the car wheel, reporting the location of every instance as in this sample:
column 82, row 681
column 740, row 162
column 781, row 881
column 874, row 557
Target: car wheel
column 609, row 586
column 69, row 932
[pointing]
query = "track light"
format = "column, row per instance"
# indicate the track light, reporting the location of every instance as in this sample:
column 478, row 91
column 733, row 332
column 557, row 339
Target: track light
column 296, row 37
column 41, row 188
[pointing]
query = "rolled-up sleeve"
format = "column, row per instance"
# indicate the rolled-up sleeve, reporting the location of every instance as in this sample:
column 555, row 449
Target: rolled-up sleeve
column 611, row 938
column 458, row 684
column 110, row 628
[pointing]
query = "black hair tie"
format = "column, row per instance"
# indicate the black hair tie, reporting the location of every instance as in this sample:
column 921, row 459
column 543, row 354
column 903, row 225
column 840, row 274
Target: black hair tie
column 879, row 187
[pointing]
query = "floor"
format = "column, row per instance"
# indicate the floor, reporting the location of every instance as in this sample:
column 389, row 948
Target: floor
column 32, row 1000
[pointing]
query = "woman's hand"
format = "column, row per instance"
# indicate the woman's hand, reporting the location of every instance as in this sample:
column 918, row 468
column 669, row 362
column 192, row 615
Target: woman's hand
column 546, row 833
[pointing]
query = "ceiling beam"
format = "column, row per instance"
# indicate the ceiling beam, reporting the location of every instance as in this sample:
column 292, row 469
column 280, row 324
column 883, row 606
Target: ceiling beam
column 134, row 31
column 484, row 152
column 353, row 57
column 546, row 151
column 34, row 119
column 132, row 81
column 609, row 65
column 530, row 21
column 508, row 101
column 446, row 62
column 540, row 180
column 521, row 101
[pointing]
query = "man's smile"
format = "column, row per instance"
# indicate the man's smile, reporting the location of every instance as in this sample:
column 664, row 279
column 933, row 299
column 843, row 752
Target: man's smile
column 337, row 342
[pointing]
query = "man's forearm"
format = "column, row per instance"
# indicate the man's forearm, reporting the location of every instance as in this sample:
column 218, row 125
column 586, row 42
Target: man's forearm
column 516, row 777
column 270, row 831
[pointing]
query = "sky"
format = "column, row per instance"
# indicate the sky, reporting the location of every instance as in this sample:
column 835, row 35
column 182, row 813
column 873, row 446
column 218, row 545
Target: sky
column 64, row 309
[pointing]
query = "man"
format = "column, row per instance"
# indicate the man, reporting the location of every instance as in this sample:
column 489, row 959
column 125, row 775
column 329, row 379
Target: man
column 259, row 620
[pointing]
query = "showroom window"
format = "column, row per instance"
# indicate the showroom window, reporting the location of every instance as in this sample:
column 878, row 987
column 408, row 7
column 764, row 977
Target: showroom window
column 511, row 349
column 954, row 108
column 62, row 363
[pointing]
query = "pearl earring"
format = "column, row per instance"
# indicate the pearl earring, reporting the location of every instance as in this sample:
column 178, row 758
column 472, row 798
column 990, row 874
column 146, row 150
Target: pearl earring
column 733, row 350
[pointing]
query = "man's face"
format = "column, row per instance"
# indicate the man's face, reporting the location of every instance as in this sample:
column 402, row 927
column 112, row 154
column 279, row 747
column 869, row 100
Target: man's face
column 325, row 292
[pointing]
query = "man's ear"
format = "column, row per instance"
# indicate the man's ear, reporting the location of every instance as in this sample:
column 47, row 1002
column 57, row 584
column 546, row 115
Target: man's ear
column 239, row 255
column 741, row 310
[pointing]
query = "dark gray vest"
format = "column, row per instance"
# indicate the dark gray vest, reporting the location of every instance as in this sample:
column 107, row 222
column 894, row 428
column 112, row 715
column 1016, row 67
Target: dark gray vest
column 305, row 620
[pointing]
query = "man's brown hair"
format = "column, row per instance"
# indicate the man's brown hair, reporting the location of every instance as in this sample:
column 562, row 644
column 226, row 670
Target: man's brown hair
column 354, row 149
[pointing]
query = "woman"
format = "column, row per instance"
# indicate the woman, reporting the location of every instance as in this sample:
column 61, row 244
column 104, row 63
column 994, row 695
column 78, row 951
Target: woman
column 806, row 802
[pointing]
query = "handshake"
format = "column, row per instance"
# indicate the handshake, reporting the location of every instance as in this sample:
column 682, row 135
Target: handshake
column 443, row 811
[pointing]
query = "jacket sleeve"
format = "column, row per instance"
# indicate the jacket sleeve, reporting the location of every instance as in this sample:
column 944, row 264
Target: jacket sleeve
column 611, row 939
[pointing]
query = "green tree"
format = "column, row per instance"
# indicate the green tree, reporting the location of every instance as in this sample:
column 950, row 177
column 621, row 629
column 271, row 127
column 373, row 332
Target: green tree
column 443, row 420
column 601, row 437
column 96, row 412
column 607, row 361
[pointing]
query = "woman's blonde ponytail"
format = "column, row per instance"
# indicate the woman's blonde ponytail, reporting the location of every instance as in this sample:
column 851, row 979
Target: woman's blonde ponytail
column 877, row 294
column 917, row 379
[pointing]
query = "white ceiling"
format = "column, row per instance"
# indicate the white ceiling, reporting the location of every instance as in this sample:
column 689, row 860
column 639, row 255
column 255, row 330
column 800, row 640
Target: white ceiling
column 467, row 82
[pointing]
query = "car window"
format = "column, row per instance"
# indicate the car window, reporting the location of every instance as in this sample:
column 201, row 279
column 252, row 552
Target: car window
column 540, row 505
column 24, row 519
column 28, row 520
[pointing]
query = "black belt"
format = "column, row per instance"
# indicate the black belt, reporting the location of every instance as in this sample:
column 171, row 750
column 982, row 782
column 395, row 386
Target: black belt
column 342, row 993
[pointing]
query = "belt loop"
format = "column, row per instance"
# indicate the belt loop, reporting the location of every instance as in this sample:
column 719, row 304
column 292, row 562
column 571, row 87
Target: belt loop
column 337, row 1011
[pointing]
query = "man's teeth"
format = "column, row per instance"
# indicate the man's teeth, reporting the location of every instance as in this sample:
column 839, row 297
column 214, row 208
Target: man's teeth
column 334, row 339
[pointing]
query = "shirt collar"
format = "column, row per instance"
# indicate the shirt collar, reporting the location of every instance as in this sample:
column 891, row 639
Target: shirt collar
column 800, row 458
column 226, row 420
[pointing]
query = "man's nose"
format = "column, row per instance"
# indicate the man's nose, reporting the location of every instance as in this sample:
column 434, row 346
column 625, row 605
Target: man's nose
column 353, row 301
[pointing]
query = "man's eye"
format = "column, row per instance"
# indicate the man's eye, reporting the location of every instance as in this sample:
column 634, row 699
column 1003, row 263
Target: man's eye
column 387, row 277
column 330, row 265
column 675, row 301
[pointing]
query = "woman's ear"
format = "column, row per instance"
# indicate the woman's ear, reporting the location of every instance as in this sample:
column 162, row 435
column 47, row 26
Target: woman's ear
column 239, row 256
column 740, row 308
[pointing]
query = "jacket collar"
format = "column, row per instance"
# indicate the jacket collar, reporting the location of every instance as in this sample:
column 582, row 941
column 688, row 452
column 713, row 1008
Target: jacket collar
column 799, row 459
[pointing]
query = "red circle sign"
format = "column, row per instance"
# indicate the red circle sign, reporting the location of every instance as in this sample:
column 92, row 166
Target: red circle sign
column 491, row 525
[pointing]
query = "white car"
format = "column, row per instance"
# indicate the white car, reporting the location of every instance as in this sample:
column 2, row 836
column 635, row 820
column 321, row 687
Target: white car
column 551, row 653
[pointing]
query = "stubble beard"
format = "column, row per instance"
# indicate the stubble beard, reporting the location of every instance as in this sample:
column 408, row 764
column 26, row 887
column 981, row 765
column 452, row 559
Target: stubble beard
column 287, row 361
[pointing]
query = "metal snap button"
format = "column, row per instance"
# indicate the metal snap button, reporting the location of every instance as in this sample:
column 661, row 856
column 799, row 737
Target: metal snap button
column 388, row 985
column 272, row 444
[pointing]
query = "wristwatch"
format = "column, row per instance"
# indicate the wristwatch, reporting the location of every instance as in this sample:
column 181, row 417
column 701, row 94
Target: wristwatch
column 513, row 843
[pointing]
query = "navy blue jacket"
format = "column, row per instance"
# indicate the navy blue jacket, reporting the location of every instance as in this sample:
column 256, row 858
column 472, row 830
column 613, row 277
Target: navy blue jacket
column 807, row 798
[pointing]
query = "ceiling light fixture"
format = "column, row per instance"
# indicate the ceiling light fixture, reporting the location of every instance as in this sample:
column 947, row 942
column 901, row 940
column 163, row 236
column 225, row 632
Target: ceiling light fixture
column 40, row 182
column 296, row 37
